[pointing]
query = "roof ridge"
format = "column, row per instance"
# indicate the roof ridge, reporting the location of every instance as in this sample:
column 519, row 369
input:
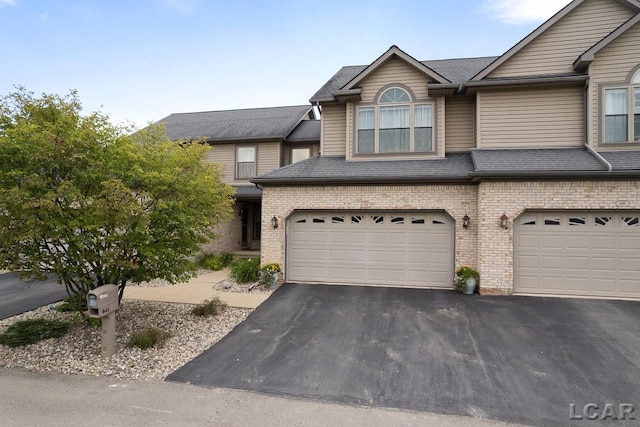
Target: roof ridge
column 246, row 109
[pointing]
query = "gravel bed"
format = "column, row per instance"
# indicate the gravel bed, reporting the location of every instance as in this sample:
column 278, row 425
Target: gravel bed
column 158, row 283
column 78, row 352
column 230, row 285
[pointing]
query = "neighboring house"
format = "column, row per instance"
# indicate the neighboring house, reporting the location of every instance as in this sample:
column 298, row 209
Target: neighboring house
column 248, row 143
column 525, row 166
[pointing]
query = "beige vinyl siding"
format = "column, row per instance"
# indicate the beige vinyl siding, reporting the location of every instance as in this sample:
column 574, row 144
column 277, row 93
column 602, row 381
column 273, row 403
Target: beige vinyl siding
column 612, row 65
column 555, row 50
column 268, row 157
column 225, row 154
column 394, row 71
column 531, row 118
column 333, row 130
column 459, row 124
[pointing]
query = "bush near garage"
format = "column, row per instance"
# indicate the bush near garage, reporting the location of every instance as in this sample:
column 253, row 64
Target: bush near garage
column 245, row 270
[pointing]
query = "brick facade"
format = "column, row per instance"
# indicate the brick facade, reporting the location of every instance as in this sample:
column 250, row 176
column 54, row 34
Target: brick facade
column 495, row 245
column 484, row 245
column 228, row 234
column 455, row 200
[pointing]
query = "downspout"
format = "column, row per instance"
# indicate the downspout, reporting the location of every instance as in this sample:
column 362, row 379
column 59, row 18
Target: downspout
column 586, row 130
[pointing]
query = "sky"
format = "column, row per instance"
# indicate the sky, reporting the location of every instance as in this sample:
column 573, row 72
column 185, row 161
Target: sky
column 140, row 60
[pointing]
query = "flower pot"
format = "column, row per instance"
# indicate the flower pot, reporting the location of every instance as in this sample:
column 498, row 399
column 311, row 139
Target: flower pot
column 273, row 282
column 469, row 286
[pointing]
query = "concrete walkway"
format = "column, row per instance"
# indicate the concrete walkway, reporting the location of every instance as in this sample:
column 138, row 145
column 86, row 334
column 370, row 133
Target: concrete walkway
column 196, row 291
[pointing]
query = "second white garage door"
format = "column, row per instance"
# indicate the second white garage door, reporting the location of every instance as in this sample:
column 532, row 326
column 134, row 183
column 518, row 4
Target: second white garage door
column 380, row 248
column 581, row 253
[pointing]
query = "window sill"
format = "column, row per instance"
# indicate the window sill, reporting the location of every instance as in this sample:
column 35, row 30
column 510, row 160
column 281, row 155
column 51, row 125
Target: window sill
column 617, row 146
column 393, row 156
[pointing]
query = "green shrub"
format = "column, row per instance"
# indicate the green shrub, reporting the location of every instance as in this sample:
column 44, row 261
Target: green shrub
column 148, row 338
column 72, row 303
column 210, row 308
column 214, row 262
column 245, row 270
column 31, row 331
column 226, row 258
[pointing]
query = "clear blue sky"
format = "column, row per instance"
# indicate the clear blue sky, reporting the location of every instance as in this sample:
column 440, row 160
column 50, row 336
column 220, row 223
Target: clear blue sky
column 141, row 60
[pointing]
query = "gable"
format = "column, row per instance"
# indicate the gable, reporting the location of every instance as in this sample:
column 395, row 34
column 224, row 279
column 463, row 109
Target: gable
column 394, row 71
column 555, row 50
column 615, row 61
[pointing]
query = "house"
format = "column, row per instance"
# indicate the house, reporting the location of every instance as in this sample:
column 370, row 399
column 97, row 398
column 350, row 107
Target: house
column 525, row 166
column 247, row 143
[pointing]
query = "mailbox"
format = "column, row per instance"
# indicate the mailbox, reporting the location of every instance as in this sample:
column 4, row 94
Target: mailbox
column 102, row 301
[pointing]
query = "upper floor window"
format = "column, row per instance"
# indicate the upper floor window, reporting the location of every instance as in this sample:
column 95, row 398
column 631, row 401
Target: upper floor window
column 298, row 154
column 395, row 125
column 622, row 112
column 245, row 162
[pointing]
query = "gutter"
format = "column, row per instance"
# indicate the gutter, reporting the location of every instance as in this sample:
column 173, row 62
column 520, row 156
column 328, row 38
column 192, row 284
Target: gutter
column 360, row 180
column 599, row 157
column 556, row 174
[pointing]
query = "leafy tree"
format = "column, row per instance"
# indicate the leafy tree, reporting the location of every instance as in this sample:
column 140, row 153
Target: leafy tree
column 94, row 205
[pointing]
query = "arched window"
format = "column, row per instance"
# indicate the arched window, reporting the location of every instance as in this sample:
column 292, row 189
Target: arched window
column 396, row 124
column 622, row 111
column 394, row 95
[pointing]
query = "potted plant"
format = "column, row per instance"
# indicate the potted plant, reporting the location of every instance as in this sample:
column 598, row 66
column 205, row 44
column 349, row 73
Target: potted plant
column 466, row 279
column 269, row 274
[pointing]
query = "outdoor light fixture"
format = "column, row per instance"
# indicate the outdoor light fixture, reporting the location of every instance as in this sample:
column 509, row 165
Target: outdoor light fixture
column 465, row 221
column 274, row 222
column 504, row 221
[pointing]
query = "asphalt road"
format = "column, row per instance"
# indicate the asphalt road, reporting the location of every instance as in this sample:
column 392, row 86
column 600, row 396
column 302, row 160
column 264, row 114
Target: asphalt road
column 510, row 359
column 18, row 296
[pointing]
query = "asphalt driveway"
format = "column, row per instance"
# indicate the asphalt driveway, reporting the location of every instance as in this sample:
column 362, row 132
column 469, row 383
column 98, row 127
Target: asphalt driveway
column 18, row 296
column 513, row 359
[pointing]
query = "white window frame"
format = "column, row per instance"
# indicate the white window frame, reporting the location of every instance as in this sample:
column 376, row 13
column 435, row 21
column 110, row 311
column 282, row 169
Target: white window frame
column 632, row 90
column 240, row 175
column 377, row 108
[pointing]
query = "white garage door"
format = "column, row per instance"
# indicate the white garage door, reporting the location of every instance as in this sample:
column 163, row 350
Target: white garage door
column 588, row 253
column 381, row 248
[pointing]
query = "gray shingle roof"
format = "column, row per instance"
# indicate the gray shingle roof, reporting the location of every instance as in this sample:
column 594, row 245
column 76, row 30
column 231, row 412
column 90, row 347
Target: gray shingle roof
column 247, row 192
column 536, row 160
column 455, row 70
column 623, row 160
column 454, row 167
column 307, row 130
column 228, row 125
column 544, row 162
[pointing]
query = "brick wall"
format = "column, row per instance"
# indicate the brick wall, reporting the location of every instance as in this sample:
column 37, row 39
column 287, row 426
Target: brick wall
column 229, row 235
column 456, row 200
column 495, row 245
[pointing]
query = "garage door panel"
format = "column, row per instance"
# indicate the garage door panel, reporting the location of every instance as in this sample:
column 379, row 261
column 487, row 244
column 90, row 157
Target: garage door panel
column 577, row 242
column 356, row 255
column 376, row 248
column 600, row 264
column 578, row 262
column 552, row 242
column 629, row 241
column 528, row 241
column 629, row 265
column 577, row 284
column 527, row 261
column 583, row 253
column 551, row 262
column 440, row 238
column 604, row 242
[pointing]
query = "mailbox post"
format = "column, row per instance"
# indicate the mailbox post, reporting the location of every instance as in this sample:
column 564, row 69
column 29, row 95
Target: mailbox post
column 103, row 303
